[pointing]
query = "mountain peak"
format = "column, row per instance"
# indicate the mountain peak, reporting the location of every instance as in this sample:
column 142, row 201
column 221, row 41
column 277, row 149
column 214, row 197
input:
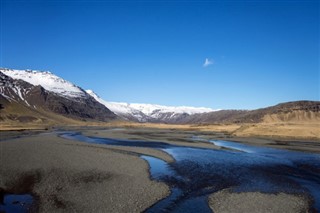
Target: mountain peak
column 131, row 111
column 24, row 97
column 92, row 93
column 47, row 80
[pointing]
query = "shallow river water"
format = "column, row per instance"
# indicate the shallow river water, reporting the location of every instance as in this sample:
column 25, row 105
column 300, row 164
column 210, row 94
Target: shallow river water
column 198, row 172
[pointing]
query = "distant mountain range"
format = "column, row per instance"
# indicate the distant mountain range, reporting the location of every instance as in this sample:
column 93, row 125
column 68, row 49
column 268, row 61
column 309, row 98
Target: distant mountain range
column 42, row 97
column 150, row 112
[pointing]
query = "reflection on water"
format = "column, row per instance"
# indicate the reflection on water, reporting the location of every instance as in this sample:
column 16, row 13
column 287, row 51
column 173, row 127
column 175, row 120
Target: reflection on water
column 16, row 203
column 197, row 172
column 109, row 141
column 158, row 168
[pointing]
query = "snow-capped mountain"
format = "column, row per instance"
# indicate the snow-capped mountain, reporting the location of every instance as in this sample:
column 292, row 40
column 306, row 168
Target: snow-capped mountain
column 14, row 90
column 43, row 93
column 37, row 97
column 150, row 112
column 153, row 109
column 64, row 97
column 48, row 81
column 121, row 109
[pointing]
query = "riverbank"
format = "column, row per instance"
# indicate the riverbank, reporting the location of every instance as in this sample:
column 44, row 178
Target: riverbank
column 223, row 169
column 67, row 175
column 178, row 135
column 225, row 201
column 200, row 139
column 298, row 131
column 70, row 176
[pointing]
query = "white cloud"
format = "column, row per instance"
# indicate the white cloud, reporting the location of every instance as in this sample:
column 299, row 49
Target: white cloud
column 208, row 62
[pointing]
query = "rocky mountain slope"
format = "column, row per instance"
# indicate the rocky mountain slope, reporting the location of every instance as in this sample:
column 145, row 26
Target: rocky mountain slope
column 297, row 111
column 28, row 95
column 59, row 96
column 38, row 94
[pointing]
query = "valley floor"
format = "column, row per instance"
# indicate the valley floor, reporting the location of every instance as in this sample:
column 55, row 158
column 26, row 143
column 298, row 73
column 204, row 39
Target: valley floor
column 306, row 131
column 69, row 176
column 288, row 136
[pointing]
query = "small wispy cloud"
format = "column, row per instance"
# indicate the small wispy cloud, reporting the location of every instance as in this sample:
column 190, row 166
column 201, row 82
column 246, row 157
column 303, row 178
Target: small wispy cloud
column 208, row 62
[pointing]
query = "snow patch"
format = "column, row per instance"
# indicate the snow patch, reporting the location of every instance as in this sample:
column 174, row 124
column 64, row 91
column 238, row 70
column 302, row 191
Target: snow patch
column 47, row 80
column 141, row 111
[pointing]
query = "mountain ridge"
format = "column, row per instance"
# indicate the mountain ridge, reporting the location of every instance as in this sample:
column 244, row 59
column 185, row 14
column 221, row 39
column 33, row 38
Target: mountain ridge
column 19, row 97
column 39, row 92
column 287, row 109
column 149, row 112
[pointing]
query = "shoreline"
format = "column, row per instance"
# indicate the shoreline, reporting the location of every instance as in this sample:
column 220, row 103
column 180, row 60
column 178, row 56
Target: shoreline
column 66, row 174
column 129, row 133
column 225, row 201
column 271, row 131
column 181, row 137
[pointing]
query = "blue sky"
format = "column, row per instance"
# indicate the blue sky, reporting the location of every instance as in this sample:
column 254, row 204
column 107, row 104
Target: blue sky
column 260, row 53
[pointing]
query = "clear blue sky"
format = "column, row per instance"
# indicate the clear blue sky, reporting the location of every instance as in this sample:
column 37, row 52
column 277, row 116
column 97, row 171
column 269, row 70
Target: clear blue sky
column 263, row 52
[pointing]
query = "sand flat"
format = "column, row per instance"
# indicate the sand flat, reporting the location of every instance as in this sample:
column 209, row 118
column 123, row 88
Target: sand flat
column 68, row 176
column 185, row 138
column 174, row 137
column 226, row 201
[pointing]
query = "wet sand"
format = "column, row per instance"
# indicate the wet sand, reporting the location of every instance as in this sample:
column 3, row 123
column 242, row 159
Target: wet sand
column 67, row 176
column 199, row 138
column 289, row 144
column 225, row 202
column 174, row 137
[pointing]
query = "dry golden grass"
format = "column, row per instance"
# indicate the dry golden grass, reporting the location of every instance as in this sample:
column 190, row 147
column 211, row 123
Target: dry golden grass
column 302, row 130
column 285, row 130
column 298, row 130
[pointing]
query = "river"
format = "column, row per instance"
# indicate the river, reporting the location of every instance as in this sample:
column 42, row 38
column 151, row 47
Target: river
column 198, row 172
